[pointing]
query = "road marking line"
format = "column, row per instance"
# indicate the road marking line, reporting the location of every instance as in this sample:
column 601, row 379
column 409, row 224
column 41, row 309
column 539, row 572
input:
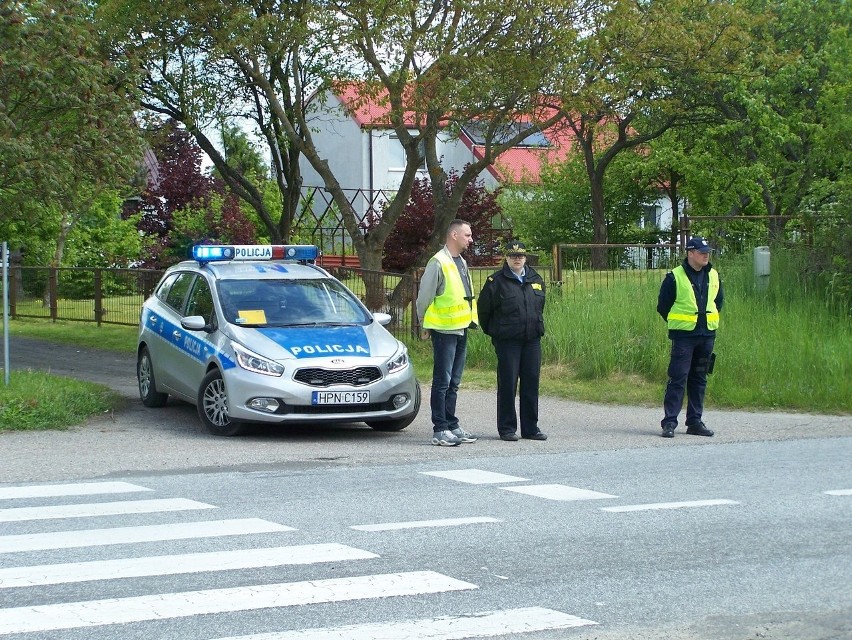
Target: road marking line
column 178, row 564
column 79, row 489
column 100, row 509
column 668, row 505
column 839, row 492
column 133, row 535
column 477, row 625
column 416, row 524
column 559, row 492
column 474, row 476
column 75, row 615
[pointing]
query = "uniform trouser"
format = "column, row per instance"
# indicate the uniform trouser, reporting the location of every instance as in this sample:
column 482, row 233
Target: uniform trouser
column 688, row 364
column 448, row 355
column 517, row 360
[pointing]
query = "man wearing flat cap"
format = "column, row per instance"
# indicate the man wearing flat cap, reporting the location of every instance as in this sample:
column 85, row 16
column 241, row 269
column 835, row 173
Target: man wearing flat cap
column 690, row 301
column 511, row 308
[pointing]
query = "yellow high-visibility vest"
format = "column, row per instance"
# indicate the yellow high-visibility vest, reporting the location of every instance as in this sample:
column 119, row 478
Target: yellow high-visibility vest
column 683, row 315
column 450, row 311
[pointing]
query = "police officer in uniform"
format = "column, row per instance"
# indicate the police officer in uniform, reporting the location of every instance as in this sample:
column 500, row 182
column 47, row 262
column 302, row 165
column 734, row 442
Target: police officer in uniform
column 690, row 301
column 511, row 308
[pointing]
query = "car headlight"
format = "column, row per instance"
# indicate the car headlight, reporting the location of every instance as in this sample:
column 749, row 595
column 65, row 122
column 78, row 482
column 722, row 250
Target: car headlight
column 251, row 361
column 399, row 361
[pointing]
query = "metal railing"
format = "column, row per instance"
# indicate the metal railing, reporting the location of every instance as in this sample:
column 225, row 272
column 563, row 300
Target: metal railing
column 102, row 296
column 115, row 296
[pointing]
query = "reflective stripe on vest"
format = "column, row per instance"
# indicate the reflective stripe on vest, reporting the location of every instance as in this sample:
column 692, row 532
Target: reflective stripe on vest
column 450, row 311
column 683, row 315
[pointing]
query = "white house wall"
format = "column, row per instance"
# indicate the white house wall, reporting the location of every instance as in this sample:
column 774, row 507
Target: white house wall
column 338, row 140
column 352, row 152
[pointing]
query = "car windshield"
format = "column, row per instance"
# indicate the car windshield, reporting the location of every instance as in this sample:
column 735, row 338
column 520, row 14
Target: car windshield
column 288, row 303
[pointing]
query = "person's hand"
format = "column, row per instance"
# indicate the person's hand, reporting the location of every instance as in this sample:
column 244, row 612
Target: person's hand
column 424, row 334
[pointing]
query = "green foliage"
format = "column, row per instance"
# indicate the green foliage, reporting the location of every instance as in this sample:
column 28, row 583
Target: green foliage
column 411, row 232
column 781, row 145
column 37, row 401
column 100, row 238
column 66, row 116
column 779, row 346
column 559, row 210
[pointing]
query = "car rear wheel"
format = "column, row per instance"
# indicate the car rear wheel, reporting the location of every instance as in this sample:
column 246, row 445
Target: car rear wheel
column 213, row 406
column 147, row 384
column 401, row 423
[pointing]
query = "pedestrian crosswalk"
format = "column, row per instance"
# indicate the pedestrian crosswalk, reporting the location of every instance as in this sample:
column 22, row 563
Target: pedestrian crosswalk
column 55, row 577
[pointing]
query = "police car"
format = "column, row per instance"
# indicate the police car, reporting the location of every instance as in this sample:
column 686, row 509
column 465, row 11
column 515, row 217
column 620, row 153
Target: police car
column 261, row 334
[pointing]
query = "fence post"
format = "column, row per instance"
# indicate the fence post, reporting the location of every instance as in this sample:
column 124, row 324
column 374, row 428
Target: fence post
column 53, row 293
column 415, row 289
column 684, row 230
column 556, row 270
column 99, row 300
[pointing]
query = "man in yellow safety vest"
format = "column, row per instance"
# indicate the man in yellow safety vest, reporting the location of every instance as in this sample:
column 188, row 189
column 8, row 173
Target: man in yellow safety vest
column 446, row 309
column 690, row 301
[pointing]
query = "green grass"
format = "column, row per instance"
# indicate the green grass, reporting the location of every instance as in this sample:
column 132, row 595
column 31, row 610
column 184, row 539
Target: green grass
column 37, row 401
column 86, row 334
column 780, row 348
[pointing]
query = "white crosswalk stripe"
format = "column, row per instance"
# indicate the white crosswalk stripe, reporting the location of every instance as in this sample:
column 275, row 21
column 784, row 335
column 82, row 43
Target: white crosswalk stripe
column 133, row 535
column 668, row 505
column 124, row 507
column 177, row 564
column 26, row 581
column 417, row 524
column 162, row 606
column 479, row 625
column 78, row 489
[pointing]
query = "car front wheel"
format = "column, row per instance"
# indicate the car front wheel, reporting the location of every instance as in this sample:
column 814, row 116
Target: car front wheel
column 147, row 384
column 213, row 406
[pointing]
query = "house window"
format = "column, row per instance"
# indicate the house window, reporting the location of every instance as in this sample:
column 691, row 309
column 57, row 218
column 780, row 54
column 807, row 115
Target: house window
column 396, row 154
column 651, row 214
column 476, row 131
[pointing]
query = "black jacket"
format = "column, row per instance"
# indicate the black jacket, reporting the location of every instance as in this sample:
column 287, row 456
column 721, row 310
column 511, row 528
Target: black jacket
column 701, row 285
column 511, row 310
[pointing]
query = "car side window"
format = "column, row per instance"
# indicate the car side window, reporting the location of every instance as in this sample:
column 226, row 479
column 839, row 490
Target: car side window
column 200, row 301
column 177, row 292
column 162, row 291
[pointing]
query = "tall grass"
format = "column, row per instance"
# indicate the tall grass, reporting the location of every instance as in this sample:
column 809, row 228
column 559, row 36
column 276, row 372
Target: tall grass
column 779, row 346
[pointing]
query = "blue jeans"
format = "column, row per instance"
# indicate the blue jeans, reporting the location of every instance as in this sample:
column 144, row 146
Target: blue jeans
column 690, row 358
column 448, row 355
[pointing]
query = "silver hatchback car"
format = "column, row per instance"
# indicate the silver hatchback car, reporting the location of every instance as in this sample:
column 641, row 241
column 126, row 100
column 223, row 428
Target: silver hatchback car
column 261, row 334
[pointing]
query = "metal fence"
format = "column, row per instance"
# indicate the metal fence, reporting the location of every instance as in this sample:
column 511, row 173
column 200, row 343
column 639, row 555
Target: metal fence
column 102, row 296
column 115, row 296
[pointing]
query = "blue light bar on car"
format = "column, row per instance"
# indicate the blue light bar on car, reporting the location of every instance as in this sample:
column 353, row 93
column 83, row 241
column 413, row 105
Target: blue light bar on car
column 218, row 253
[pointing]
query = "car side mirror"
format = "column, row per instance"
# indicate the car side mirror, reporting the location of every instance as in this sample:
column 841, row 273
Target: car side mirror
column 382, row 318
column 196, row 323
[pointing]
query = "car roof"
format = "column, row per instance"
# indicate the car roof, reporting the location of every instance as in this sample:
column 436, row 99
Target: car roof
column 256, row 270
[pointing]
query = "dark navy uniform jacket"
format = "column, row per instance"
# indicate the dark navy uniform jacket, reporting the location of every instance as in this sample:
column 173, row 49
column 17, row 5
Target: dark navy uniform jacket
column 510, row 309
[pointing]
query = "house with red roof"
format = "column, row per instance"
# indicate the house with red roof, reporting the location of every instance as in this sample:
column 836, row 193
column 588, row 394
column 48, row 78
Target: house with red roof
column 353, row 132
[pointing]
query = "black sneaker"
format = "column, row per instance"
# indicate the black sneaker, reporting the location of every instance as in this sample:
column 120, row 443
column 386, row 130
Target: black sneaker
column 698, row 429
column 511, row 437
column 668, row 430
column 536, row 436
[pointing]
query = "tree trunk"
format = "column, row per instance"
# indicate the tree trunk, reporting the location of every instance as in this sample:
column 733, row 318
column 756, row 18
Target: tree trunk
column 599, row 228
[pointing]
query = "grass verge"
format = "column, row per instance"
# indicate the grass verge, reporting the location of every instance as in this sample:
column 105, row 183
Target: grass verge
column 36, row 401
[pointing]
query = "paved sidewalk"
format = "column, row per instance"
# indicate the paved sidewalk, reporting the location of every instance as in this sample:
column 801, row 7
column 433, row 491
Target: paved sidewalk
column 141, row 440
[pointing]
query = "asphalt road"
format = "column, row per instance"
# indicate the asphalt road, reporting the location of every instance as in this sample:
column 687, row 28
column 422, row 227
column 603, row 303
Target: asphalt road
column 744, row 536
column 138, row 439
